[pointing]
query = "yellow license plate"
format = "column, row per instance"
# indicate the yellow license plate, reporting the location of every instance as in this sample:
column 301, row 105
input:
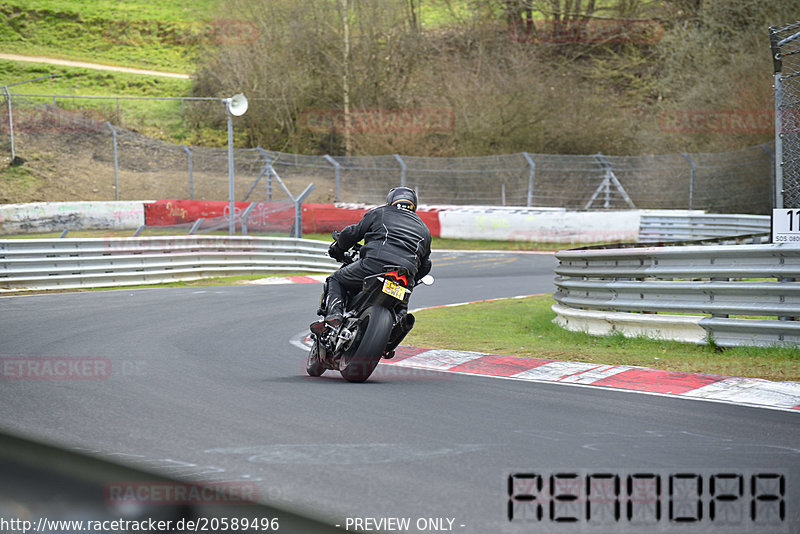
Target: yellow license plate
column 395, row 290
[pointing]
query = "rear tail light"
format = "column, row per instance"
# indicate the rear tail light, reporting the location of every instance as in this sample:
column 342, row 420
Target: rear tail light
column 397, row 277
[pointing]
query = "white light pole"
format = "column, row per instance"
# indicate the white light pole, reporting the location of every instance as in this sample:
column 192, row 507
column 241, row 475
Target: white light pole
column 235, row 105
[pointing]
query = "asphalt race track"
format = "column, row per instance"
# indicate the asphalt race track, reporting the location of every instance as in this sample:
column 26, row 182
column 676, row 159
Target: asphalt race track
column 206, row 386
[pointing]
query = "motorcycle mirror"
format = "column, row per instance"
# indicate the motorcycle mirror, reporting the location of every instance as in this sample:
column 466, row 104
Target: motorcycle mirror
column 427, row 280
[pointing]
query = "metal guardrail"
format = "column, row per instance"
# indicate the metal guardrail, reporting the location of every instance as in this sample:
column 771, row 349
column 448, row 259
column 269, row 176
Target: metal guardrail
column 733, row 295
column 34, row 264
column 686, row 227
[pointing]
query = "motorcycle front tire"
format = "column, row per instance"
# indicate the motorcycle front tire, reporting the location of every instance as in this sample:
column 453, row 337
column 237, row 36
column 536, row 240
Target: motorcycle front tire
column 364, row 355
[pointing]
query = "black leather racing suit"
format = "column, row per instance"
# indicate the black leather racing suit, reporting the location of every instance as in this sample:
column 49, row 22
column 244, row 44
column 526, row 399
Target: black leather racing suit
column 392, row 236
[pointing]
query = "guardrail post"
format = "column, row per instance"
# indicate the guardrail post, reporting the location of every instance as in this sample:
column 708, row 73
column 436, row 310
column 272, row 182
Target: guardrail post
column 336, row 169
column 116, row 162
column 531, row 174
column 402, row 169
column 693, row 168
column 191, row 171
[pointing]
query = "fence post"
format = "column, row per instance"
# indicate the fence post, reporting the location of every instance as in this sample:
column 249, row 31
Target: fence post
column 771, row 156
column 10, row 123
column 337, row 176
column 196, row 225
column 531, row 174
column 191, row 172
column 245, row 216
column 116, row 162
column 778, row 89
column 268, row 179
column 267, row 168
column 691, row 179
column 402, row 170
column 298, row 211
column 605, row 185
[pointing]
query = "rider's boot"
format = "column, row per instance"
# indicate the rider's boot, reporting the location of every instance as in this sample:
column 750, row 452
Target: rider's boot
column 335, row 314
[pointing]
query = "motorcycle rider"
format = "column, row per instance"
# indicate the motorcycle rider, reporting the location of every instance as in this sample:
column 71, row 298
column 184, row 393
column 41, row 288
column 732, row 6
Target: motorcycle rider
column 393, row 234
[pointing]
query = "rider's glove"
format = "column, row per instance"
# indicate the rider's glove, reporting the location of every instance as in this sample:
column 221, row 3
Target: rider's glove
column 335, row 252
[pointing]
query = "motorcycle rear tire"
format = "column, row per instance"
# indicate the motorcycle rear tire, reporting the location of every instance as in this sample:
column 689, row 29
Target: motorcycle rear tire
column 364, row 355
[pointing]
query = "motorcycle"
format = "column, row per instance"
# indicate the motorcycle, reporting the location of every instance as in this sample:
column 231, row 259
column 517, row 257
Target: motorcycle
column 375, row 322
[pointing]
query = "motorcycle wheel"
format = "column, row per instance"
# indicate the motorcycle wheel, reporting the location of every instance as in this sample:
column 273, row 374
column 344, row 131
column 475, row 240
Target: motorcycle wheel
column 363, row 356
column 313, row 365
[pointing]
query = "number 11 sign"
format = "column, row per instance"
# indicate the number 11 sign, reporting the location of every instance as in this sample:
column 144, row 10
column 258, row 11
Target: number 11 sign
column 786, row 226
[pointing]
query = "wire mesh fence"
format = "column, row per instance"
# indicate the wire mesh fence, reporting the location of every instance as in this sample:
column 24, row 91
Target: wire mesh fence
column 117, row 163
column 785, row 44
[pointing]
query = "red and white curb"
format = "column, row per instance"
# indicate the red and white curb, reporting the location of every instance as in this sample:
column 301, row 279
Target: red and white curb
column 754, row 392
column 719, row 388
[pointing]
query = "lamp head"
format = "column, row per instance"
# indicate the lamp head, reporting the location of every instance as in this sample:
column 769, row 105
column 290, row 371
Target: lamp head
column 237, row 104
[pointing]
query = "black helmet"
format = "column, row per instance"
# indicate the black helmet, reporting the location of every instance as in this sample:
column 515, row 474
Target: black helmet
column 404, row 196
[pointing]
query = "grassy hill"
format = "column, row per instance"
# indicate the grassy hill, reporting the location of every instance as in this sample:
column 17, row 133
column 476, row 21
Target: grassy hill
column 167, row 35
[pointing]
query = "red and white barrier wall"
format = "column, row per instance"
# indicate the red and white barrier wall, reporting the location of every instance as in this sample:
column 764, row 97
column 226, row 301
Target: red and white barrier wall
column 458, row 222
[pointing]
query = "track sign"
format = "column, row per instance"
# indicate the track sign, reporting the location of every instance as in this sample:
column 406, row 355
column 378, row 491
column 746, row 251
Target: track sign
column 786, row 226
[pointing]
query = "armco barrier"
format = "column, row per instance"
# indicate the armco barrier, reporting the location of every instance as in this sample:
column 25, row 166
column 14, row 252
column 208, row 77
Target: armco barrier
column 695, row 225
column 735, row 295
column 32, row 264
